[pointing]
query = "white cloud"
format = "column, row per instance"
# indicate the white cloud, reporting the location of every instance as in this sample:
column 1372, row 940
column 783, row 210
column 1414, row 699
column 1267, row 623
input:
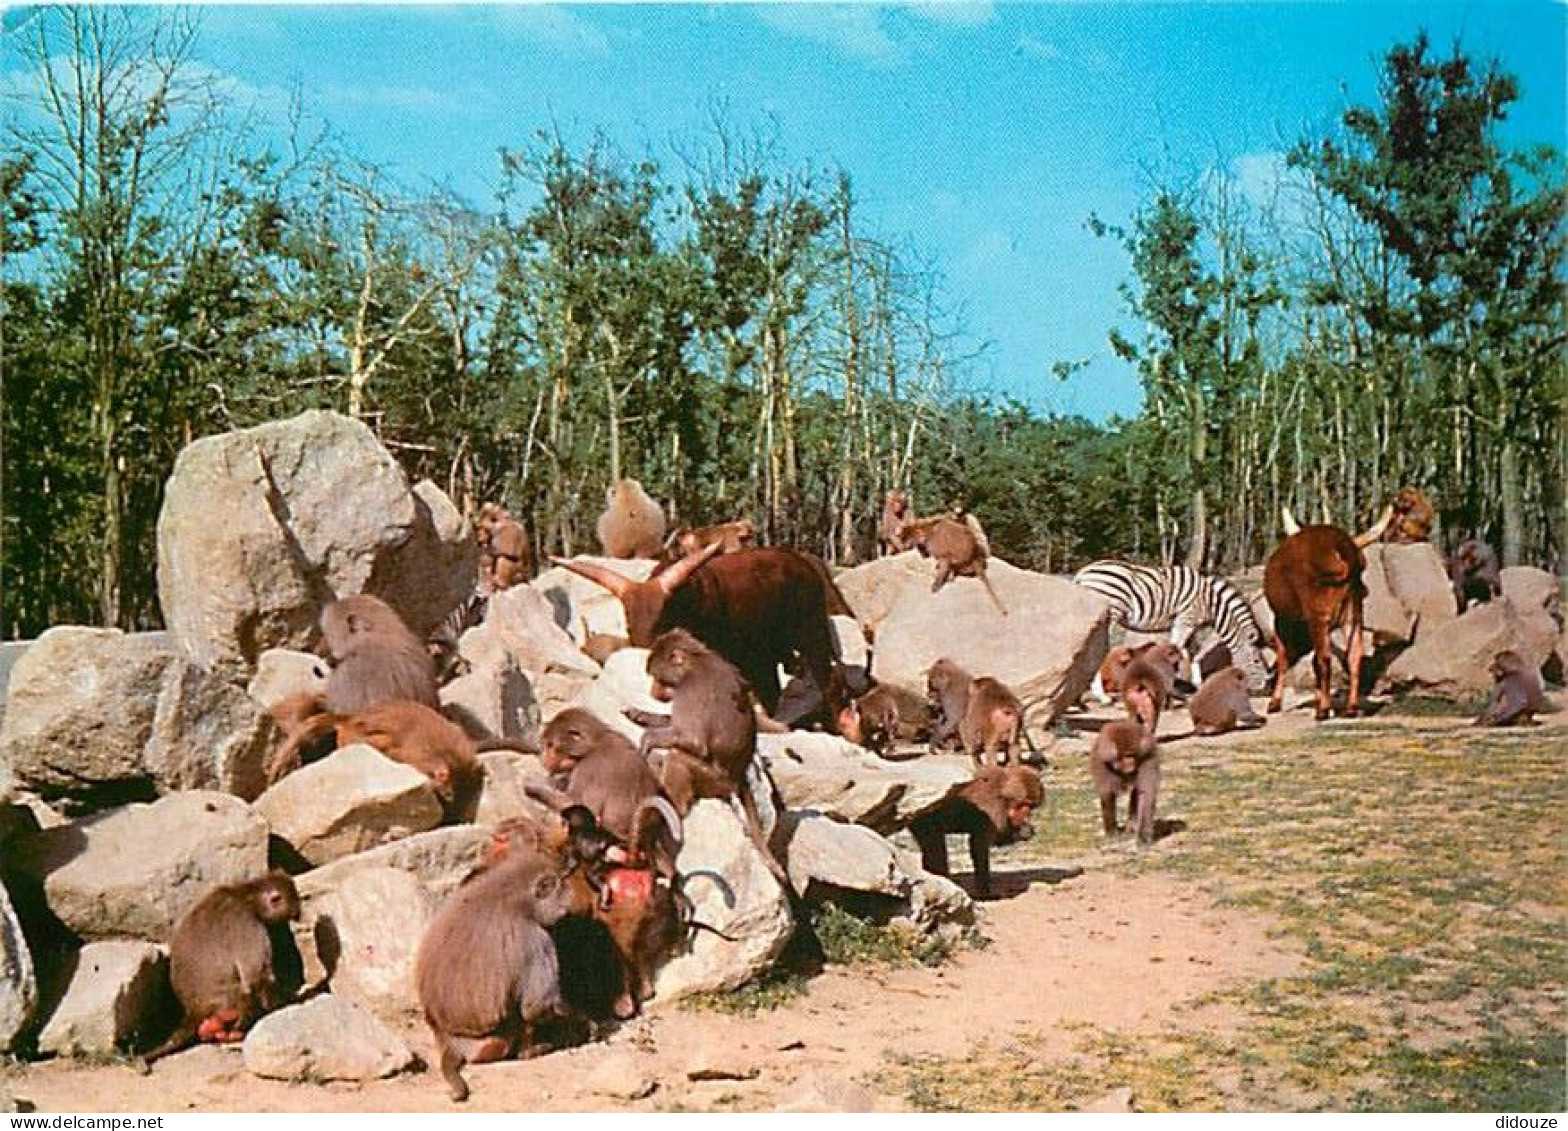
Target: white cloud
column 854, row 30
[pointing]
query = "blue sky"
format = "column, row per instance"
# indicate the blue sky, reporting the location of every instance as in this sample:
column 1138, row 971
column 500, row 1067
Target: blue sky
column 981, row 135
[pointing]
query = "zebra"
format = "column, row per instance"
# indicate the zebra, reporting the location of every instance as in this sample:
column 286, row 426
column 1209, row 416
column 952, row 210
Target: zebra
column 1179, row 598
column 443, row 639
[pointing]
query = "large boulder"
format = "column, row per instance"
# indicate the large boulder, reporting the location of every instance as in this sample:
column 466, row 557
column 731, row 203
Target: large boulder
column 520, row 629
column 1408, row 591
column 832, row 776
column 1047, row 649
column 365, row 932
column 118, row 997
column 326, row 1038
column 732, row 890
column 502, row 796
column 18, row 984
column 623, row 683
column 439, row 858
column 874, row 587
column 353, row 799
column 579, row 606
column 1454, row 659
column 313, row 508
column 134, row 871
column 97, row 716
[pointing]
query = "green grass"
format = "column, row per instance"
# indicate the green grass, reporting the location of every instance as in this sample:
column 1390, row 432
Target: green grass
column 1424, row 874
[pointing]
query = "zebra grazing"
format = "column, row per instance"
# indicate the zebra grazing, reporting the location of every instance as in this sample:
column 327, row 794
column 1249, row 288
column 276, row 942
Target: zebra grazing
column 1179, row 598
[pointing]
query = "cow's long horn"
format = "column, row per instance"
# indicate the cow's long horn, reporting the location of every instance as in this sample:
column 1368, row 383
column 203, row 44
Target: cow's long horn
column 1291, row 525
column 671, row 578
column 617, row 583
column 1376, row 531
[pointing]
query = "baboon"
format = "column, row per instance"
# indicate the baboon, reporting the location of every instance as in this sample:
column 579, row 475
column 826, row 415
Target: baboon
column 374, row 657
column 1221, row 704
column 1149, row 680
column 598, row 767
column 897, row 514
column 871, row 721
column 632, row 525
column 1412, row 519
column 980, row 713
column 1472, row 568
column 739, row 534
column 1517, row 695
column 959, row 547
column 993, row 809
column 487, row 970
column 232, row 959
column 503, row 548
column 710, row 734
column 1125, row 758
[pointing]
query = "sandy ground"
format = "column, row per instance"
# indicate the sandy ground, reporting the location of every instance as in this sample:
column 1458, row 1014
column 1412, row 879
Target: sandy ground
column 1065, row 947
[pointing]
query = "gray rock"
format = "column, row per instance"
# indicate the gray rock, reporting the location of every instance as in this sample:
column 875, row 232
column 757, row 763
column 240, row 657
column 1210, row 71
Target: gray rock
column 96, row 714
column 833, row 776
column 353, row 799
column 18, row 984
column 1534, row 593
column 494, row 698
column 10, row 652
column 326, row 1038
column 1453, row 659
column 439, row 858
column 366, row 932
column 732, row 890
column 313, row 508
column 1417, row 576
column 1047, row 649
column 822, row 855
column 519, row 626
column 501, row 797
column 133, row 871
column 282, row 672
column 575, row 601
column 118, row 997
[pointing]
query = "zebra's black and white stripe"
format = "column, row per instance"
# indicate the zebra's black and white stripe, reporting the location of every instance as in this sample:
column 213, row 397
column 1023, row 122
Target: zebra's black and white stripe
column 1179, row 598
column 443, row 639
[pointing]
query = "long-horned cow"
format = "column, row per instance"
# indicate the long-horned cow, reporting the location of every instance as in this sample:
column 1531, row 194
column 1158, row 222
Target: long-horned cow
column 1313, row 584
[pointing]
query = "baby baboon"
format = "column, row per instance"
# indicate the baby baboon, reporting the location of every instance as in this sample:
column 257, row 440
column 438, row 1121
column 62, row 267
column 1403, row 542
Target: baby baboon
column 993, row 809
column 1126, row 759
column 1517, row 695
column 232, row 959
column 1221, row 704
column 632, row 525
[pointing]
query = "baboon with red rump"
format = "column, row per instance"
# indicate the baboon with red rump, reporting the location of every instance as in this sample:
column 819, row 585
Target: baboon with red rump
column 994, row 809
column 232, row 959
column 1125, row 758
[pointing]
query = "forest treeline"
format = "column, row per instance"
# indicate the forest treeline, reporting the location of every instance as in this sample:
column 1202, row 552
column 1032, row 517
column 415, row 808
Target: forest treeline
column 728, row 328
